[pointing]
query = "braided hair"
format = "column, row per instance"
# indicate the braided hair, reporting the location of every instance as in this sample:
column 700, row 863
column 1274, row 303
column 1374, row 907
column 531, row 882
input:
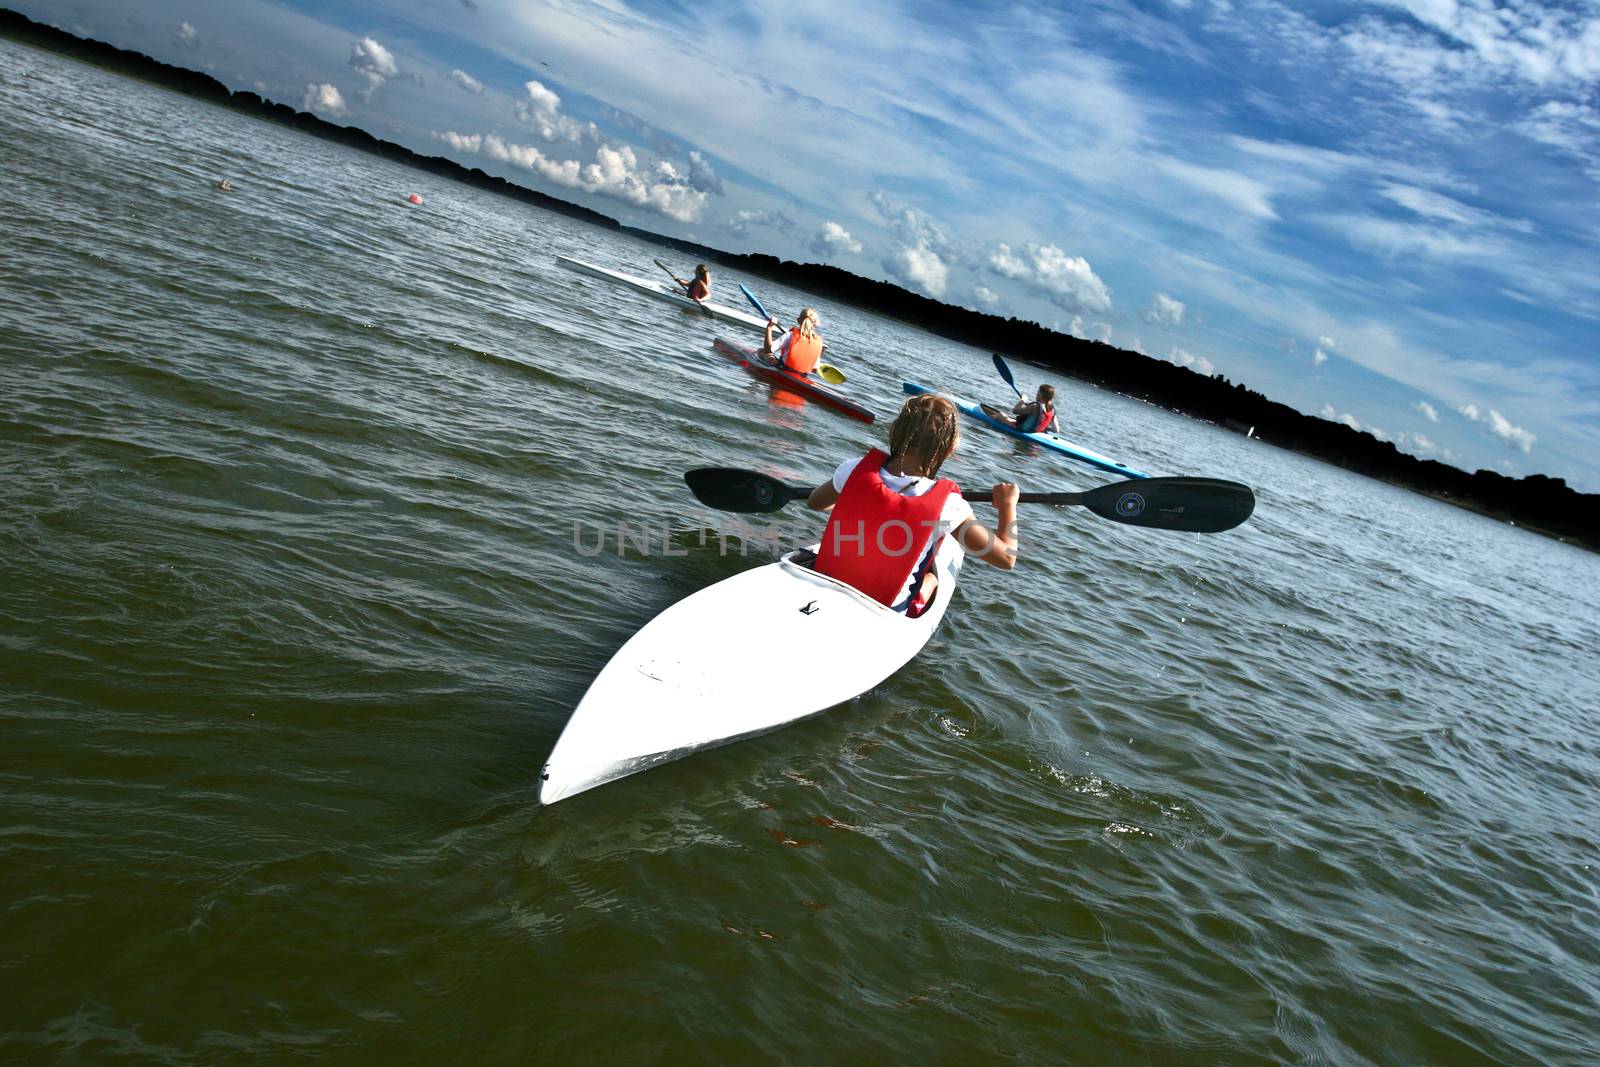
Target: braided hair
column 927, row 427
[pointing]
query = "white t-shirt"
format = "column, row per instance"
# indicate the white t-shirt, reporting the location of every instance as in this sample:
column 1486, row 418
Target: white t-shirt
column 956, row 511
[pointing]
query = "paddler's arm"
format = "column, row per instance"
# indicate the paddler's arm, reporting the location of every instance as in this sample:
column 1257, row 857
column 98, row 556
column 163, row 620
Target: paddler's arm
column 822, row 497
column 998, row 548
column 766, row 338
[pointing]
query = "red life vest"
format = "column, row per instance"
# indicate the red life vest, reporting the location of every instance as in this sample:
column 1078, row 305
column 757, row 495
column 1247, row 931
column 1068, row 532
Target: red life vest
column 804, row 352
column 1047, row 419
column 876, row 536
column 699, row 290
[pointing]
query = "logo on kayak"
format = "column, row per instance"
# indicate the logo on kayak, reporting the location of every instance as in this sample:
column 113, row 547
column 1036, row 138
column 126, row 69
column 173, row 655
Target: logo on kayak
column 1130, row 504
column 810, row 609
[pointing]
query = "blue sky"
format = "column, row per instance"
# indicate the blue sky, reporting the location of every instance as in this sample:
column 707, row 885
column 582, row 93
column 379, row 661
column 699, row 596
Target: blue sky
column 1384, row 213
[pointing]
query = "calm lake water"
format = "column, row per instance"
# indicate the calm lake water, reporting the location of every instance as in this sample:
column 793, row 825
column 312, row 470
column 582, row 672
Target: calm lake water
column 292, row 612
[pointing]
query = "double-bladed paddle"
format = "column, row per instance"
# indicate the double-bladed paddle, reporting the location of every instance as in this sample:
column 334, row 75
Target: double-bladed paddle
column 1192, row 505
column 703, row 309
column 826, row 371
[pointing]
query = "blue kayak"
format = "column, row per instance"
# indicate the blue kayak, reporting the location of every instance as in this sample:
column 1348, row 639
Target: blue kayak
column 1043, row 440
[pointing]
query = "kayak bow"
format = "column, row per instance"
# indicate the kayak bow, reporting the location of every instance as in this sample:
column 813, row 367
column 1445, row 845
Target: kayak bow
column 701, row 674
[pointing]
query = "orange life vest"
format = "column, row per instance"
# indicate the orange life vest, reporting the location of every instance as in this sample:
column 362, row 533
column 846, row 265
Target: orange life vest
column 876, row 536
column 804, row 352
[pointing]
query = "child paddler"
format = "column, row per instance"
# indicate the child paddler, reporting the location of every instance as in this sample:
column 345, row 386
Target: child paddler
column 700, row 287
column 1030, row 416
column 890, row 511
column 799, row 350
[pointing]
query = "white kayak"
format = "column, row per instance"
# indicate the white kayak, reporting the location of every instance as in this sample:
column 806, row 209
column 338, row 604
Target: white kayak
column 665, row 290
column 737, row 659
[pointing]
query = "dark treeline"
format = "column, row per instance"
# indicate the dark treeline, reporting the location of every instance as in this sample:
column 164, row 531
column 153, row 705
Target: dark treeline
column 1537, row 501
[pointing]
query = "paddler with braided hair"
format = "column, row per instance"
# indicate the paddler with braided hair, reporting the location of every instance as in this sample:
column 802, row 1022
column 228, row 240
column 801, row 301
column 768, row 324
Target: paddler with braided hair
column 890, row 511
column 800, row 349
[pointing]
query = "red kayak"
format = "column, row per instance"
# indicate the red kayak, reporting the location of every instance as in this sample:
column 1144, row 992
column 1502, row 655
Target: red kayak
column 782, row 378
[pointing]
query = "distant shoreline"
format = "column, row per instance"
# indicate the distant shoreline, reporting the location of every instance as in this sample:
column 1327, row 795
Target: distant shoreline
column 1536, row 502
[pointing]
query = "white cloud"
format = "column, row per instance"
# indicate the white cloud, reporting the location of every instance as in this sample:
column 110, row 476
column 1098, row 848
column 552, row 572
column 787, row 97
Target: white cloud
column 1318, row 358
column 1246, row 195
column 741, row 222
column 1164, row 309
column 187, row 33
column 1187, row 359
column 616, row 172
column 1515, row 436
column 1389, row 237
column 921, row 266
column 1422, row 443
column 1067, row 281
column 467, row 82
column 1429, row 412
column 1470, row 411
column 1101, row 331
column 1328, row 412
column 323, row 99
column 1075, row 327
column 1326, row 342
column 1540, row 44
column 986, row 296
column 833, row 238
column 374, row 61
column 470, row 143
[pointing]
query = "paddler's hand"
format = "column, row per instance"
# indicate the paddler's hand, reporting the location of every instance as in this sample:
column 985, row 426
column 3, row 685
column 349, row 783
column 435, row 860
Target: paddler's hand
column 1005, row 497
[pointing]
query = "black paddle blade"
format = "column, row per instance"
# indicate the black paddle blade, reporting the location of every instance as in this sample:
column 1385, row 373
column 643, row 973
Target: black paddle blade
column 1193, row 505
column 731, row 489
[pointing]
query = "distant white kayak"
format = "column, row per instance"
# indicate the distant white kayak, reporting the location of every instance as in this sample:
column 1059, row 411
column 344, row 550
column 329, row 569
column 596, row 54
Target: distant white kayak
column 739, row 658
column 664, row 290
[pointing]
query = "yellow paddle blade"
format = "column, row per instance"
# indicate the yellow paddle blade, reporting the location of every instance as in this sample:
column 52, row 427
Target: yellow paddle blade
column 831, row 374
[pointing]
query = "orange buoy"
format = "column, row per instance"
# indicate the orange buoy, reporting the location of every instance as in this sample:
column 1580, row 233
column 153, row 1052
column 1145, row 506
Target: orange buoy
column 414, row 198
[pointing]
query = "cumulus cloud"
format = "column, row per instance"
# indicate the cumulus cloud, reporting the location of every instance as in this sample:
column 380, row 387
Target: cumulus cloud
column 1326, row 342
column 702, row 177
column 1067, row 281
column 1470, row 411
column 924, row 256
column 1318, row 358
column 324, row 99
column 469, row 143
column 834, row 238
column 1193, row 362
column 1429, row 412
column 467, row 82
column 1329, row 413
column 1165, row 310
column 373, row 61
column 187, row 33
column 1515, row 436
column 743, row 220
column 920, row 265
column 616, row 172
column 986, row 296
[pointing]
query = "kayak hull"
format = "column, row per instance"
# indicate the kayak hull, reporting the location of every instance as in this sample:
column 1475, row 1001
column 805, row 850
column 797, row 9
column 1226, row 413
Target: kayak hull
column 721, row 665
column 664, row 291
column 1054, row 444
column 780, row 378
